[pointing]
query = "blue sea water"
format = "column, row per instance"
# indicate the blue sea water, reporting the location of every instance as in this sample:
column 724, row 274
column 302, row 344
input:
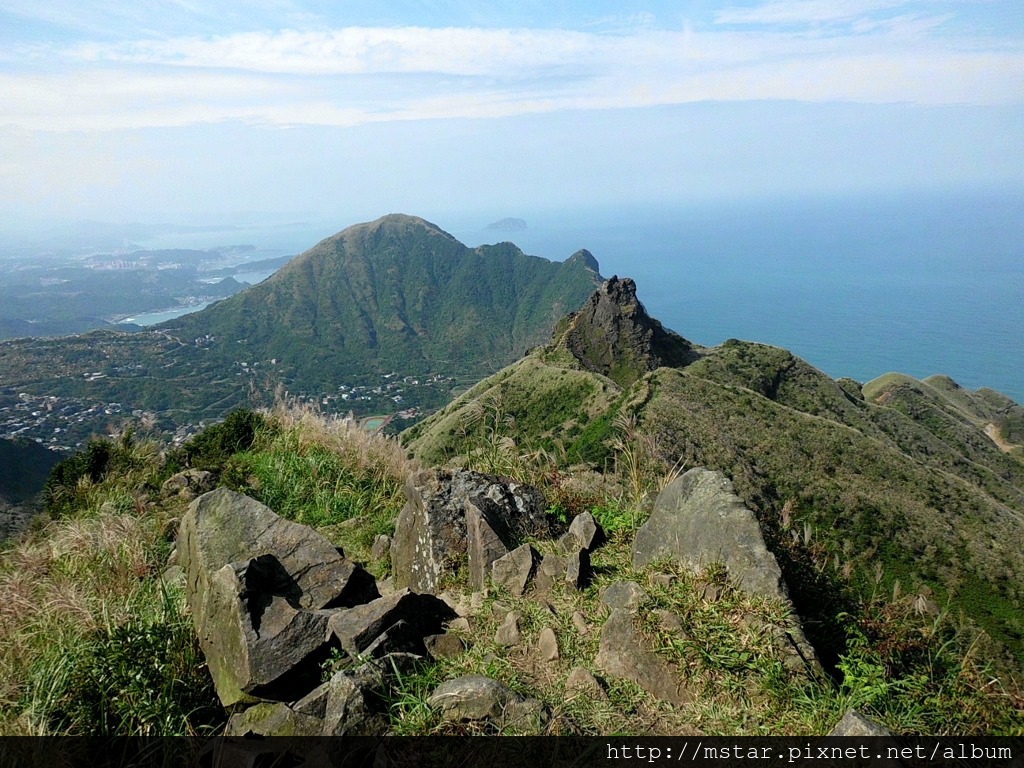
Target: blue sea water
column 860, row 286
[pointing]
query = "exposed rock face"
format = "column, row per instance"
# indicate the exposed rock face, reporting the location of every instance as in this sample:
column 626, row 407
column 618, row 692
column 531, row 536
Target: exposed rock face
column 431, row 533
column 479, row 698
column 613, row 335
column 698, row 520
column 259, row 616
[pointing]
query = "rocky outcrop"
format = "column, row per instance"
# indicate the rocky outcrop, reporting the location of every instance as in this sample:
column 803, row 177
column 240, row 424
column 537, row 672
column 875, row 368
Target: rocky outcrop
column 461, row 519
column 613, row 335
column 699, row 520
column 258, row 587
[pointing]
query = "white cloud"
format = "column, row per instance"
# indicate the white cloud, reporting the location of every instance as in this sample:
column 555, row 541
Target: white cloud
column 360, row 75
column 804, row 11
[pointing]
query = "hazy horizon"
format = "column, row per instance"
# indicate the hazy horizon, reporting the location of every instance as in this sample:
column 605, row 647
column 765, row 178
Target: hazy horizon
column 193, row 113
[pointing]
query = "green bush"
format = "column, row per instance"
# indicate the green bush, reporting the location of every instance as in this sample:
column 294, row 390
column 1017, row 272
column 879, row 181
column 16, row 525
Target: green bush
column 211, row 448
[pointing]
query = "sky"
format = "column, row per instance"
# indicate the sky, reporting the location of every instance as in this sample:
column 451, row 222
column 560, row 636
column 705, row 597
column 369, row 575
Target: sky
column 189, row 111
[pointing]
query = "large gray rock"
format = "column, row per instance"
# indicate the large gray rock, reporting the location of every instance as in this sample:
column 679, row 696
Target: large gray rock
column 480, row 698
column 259, row 645
column 408, row 616
column 431, row 531
column 256, row 586
column 699, row 520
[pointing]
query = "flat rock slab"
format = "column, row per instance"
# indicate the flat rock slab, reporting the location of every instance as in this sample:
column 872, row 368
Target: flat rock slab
column 624, row 596
column 623, row 654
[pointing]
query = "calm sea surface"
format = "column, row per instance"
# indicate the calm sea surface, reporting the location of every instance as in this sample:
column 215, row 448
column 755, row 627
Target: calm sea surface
column 920, row 284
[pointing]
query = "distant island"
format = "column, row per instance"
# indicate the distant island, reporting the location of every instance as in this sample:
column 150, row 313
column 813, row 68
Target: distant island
column 507, row 225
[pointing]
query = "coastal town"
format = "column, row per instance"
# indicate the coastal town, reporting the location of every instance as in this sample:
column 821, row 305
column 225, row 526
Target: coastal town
column 66, row 424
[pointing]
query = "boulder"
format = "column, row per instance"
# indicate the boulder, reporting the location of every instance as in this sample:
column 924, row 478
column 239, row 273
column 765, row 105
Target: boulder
column 256, row 585
column 404, row 617
column 699, row 520
column 189, row 484
column 853, row 723
column 514, row 570
column 431, row 531
column 481, row 698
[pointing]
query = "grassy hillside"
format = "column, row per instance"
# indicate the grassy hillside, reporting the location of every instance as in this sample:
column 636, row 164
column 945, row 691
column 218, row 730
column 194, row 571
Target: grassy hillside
column 903, row 485
column 397, row 295
column 101, row 642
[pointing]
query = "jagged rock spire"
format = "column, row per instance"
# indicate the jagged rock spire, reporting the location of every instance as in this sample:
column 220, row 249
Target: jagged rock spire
column 613, row 335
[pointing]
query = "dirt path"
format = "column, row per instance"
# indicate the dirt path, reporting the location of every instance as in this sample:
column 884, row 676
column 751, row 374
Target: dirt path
column 993, row 432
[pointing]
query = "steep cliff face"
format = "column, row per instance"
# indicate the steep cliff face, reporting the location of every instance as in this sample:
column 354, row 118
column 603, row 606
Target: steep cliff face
column 613, row 335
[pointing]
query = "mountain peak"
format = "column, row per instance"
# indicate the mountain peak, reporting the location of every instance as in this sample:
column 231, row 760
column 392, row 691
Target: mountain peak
column 585, row 257
column 613, row 335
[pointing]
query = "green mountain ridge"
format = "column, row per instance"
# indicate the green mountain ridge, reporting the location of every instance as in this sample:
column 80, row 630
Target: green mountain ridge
column 897, row 480
column 397, row 295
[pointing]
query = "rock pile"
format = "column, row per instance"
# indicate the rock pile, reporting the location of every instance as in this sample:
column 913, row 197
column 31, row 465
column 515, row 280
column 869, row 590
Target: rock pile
column 273, row 600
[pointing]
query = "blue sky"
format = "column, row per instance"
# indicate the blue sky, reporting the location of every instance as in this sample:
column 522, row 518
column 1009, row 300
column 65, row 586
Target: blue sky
column 190, row 110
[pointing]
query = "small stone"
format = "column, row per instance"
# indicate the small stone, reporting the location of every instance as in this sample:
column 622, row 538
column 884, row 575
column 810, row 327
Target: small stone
column 551, row 571
column 460, row 625
column 508, row 633
column 854, row 723
column 669, row 621
column 577, row 570
column 381, row 548
column 547, row 645
column 514, row 570
column 665, row 580
column 452, row 600
column 481, row 698
column 624, row 595
column 581, row 683
column 580, row 623
column 174, row 575
column 586, row 531
column 386, row 587
column 711, row 593
column 444, row 646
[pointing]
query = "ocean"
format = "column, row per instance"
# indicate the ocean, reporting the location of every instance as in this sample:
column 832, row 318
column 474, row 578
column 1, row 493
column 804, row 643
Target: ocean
column 857, row 286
